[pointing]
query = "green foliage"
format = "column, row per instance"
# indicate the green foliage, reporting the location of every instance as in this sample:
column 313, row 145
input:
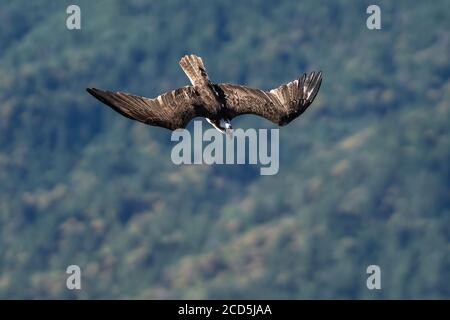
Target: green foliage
column 364, row 174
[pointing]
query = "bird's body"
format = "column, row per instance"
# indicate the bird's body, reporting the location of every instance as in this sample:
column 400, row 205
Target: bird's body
column 218, row 103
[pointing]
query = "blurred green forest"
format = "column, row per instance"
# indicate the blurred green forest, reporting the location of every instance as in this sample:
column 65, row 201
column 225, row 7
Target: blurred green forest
column 364, row 174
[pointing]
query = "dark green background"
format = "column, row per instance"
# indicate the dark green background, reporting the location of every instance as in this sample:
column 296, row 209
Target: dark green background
column 364, row 173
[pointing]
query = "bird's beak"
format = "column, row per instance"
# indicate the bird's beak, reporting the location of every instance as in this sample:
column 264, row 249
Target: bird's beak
column 229, row 132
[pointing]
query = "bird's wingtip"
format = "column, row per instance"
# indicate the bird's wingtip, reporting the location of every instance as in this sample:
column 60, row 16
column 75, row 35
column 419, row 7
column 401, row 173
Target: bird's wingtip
column 92, row 91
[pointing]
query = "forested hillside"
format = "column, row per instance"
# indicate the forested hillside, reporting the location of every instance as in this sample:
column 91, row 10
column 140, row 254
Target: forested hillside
column 364, row 174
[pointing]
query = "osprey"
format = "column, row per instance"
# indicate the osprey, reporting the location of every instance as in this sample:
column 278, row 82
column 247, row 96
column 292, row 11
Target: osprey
column 218, row 103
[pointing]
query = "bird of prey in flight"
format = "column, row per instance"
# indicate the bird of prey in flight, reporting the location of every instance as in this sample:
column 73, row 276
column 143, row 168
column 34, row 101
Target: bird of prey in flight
column 218, row 103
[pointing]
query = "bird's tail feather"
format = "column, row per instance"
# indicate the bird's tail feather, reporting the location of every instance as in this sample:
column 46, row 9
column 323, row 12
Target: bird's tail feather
column 195, row 70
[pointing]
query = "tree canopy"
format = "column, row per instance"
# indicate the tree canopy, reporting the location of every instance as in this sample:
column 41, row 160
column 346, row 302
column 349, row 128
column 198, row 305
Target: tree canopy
column 364, row 174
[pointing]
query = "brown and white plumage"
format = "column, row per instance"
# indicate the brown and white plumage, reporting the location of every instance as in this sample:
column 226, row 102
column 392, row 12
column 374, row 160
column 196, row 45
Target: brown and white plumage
column 281, row 105
column 218, row 103
column 171, row 110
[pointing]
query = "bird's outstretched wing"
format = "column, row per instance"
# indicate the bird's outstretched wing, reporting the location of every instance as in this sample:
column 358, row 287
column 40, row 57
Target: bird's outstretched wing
column 281, row 105
column 171, row 110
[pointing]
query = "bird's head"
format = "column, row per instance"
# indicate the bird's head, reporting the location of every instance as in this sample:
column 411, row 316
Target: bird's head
column 225, row 126
column 222, row 125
